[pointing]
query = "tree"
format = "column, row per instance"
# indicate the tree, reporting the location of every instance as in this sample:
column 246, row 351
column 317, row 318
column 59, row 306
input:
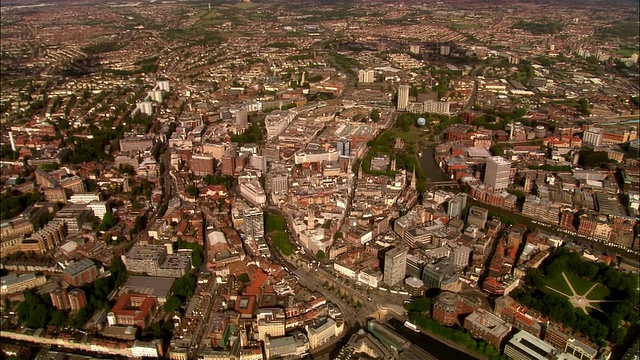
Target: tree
column 244, row 278
column 107, row 222
column 275, row 223
column 173, row 303
column 192, row 190
column 338, row 235
column 320, row 255
column 375, row 115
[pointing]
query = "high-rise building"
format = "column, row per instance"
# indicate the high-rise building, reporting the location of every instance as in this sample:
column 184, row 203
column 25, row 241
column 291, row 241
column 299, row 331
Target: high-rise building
column 366, row 76
column 59, row 299
column 77, row 299
column 592, row 136
column 403, row 97
column 497, row 172
column 395, row 266
column 456, row 205
column 253, row 225
column 202, row 164
column 344, row 147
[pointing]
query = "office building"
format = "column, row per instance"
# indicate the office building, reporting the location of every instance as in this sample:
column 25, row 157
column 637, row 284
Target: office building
column 277, row 183
column 488, row 327
column 252, row 191
column 80, row 272
column 271, row 323
column 202, row 164
column 322, row 332
column 445, row 50
column 592, row 136
column 395, row 266
column 277, row 121
column 77, row 299
column 478, row 216
column 580, row 350
column 434, row 274
column 497, row 172
column 524, row 346
column 436, row 107
column 344, row 147
column 415, row 49
column 253, row 225
column 75, row 216
column 293, row 347
column 153, row 260
column 456, row 205
column 403, row 97
column 132, row 309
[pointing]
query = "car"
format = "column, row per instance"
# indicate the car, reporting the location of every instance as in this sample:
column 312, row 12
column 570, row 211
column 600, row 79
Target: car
column 369, row 298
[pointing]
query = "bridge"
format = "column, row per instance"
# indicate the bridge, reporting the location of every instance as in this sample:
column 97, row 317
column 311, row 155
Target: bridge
column 442, row 184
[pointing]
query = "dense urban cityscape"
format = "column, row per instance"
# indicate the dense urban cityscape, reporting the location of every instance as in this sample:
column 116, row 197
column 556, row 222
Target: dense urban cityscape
column 317, row 179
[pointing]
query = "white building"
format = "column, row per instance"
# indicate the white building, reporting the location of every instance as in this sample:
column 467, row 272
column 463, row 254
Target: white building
column 322, row 332
column 163, row 85
column 271, row 322
column 366, row 76
column 253, row 192
column 592, row 136
column 403, row 96
column 84, row 198
column 436, row 107
column 141, row 349
column 145, row 107
column 100, row 208
column 497, row 172
column 319, row 156
column 277, row 121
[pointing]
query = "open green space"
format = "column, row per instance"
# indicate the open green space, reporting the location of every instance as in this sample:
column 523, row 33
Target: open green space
column 557, row 282
column 580, row 285
column 598, row 293
column 619, row 290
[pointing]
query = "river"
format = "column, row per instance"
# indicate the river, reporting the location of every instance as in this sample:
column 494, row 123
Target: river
column 428, row 343
column 429, row 165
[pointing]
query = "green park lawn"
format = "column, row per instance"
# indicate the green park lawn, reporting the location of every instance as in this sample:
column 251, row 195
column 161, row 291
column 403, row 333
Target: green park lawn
column 580, row 285
column 598, row 293
column 557, row 282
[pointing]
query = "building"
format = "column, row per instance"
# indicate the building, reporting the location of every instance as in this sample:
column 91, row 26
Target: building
column 77, row 299
column 253, row 222
column 75, row 216
column 434, row 274
column 80, row 272
column 524, row 346
column 478, row 216
column 132, row 309
column 84, row 198
column 456, row 205
column 202, row 164
column 13, row 283
column 344, row 147
column 403, row 97
column 484, row 325
column 153, row 260
column 592, row 136
column 252, row 191
column 50, row 236
column 277, row 121
column 395, row 266
column 271, row 323
column 296, row 346
column 436, row 107
column 277, row 183
column 580, row 350
column 322, row 332
column 366, row 76
column 414, row 286
column 60, row 299
column 497, row 172
column 449, row 306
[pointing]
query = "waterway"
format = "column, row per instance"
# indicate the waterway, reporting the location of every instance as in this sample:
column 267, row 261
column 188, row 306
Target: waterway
column 430, row 167
column 428, row 343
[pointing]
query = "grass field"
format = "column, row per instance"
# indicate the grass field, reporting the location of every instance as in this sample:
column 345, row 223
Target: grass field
column 557, row 282
column 580, row 285
column 598, row 293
